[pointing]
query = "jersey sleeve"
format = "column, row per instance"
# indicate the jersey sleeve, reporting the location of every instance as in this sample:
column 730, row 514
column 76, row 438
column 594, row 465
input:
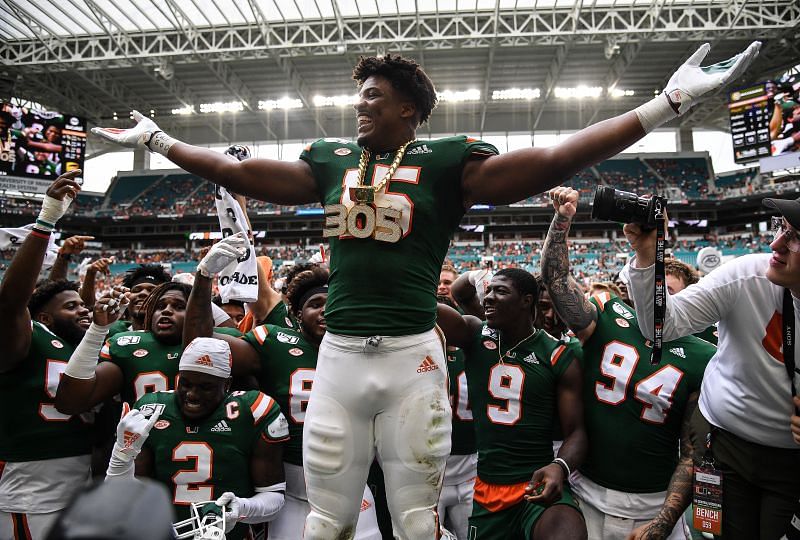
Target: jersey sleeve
column 561, row 356
column 268, row 419
column 476, row 148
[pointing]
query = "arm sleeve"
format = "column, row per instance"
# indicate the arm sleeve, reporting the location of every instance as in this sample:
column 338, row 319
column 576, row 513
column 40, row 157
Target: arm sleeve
column 692, row 310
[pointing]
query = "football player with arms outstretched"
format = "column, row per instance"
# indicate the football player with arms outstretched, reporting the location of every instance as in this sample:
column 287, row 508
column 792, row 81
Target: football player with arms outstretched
column 519, row 378
column 44, row 454
column 207, row 444
column 284, row 361
column 635, row 411
column 394, row 201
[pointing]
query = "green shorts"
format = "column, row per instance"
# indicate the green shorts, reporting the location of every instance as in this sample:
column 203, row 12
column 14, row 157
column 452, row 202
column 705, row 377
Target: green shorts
column 513, row 523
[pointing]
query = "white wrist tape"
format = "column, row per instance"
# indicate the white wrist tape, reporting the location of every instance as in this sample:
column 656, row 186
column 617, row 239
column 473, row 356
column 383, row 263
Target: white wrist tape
column 119, row 468
column 52, row 210
column 83, row 361
column 160, row 143
column 655, row 112
column 264, row 505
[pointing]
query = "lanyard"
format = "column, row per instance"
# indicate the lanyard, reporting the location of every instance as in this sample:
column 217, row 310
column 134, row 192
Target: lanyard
column 788, row 338
column 659, row 295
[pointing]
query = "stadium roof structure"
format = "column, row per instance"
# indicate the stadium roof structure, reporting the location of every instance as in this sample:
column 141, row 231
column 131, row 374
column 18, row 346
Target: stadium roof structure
column 501, row 65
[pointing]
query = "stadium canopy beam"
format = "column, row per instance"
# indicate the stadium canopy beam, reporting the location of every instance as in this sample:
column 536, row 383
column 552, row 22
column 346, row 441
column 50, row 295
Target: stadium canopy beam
column 550, row 81
column 489, row 65
column 554, row 25
column 287, row 66
column 624, row 59
column 221, row 71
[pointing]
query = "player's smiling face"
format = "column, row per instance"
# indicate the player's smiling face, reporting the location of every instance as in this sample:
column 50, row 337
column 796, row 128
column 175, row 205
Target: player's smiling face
column 312, row 318
column 503, row 304
column 167, row 323
column 67, row 316
column 382, row 115
column 199, row 394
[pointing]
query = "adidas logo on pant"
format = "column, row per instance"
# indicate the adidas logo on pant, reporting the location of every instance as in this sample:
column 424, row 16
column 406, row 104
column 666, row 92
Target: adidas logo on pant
column 222, row 426
column 427, row 365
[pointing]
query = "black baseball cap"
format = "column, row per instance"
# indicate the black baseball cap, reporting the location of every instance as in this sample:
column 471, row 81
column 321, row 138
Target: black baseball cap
column 788, row 208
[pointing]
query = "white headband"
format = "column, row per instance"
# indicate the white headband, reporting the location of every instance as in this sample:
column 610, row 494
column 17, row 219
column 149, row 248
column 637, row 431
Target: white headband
column 207, row 355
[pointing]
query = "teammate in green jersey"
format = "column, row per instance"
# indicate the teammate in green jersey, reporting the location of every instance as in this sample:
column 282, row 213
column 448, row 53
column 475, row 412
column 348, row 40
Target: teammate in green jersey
column 44, row 455
column 206, row 443
column 679, row 275
column 519, row 377
column 284, row 361
column 132, row 363
column 394, row 202
column 634, row 410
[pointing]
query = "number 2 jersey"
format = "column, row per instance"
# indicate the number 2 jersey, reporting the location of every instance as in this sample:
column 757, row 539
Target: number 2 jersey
column 367, row 275
column 200, row 461
column 633, row 409
column 514, row 402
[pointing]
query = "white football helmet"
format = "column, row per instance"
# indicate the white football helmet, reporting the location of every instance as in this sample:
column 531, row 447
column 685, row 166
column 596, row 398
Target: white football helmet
column 207, row 522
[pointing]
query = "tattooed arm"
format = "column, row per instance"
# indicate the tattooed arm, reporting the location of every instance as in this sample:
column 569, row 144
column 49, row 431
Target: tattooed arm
column 568, row 298
column 679, row 492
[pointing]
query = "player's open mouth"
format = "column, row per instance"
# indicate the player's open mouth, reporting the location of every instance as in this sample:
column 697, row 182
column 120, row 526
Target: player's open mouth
column 192, row 406
column 164, row 324
column 85, row 321
column 363, row 121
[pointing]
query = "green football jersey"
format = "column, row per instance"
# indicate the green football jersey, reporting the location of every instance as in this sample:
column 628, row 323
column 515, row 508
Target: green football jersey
column 279, row 316
column 463, row 437
column 397, row 243
column 513, row 402
column 574, row 345
column 198, row 462
column 117, row 327
column 288, row 365
column 633, row 409
column 147, row 364
column 710, row 334
column 31, row 428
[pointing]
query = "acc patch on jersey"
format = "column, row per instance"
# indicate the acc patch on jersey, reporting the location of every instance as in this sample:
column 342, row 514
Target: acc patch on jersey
column 295, row 351
column 489, row 344
column 128, row 340
column 161, row 424
column 622, row 322
column 286, row 338
column 57, row 344
column 342, row 151
column 138, row 353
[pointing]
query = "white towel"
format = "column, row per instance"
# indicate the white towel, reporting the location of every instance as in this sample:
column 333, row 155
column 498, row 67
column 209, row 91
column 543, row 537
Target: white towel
column 238, row 280
column 15, row 236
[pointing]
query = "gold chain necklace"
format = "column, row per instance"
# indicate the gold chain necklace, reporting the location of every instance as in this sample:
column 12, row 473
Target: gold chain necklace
column 364, row 194
column 520, row 342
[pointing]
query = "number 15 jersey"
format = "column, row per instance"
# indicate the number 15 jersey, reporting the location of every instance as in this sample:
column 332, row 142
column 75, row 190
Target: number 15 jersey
column 397, row 243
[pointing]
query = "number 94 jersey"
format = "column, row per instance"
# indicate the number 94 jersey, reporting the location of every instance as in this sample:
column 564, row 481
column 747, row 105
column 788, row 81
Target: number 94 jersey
column 395, row 243
column 199, row 462
column 633, row 409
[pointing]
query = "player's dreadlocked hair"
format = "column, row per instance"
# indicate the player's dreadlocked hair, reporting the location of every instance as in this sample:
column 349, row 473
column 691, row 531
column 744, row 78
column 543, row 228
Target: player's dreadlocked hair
column 316, row 276
column 405, row 75
column 524, row 282
column 46, row 290
column 154, row 271
column 149, row 306
column 681, row 270
column 293, row 271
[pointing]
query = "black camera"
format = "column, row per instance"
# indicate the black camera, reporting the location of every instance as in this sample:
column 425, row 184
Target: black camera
column 624, row 207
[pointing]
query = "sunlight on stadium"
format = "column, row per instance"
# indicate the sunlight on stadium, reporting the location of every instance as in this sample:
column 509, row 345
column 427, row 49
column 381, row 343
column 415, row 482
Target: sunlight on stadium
column 375, row 270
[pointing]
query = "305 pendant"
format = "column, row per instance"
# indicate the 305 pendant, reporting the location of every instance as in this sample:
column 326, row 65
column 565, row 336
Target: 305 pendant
column 362, row 195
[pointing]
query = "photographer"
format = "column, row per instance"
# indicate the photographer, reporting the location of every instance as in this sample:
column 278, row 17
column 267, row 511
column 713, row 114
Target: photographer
column 746, row 396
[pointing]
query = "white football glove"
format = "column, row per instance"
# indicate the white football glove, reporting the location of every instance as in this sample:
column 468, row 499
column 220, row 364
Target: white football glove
column 137, row 136
column 231, row 505
column 222, row 254
column 480, row 280
column 132, row 431
column 693, row 83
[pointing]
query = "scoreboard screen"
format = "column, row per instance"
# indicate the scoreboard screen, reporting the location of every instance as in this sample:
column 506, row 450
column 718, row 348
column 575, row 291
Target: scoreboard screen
column 750, row 113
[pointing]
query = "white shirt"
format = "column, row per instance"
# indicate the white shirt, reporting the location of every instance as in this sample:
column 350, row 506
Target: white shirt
column 745, row 388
